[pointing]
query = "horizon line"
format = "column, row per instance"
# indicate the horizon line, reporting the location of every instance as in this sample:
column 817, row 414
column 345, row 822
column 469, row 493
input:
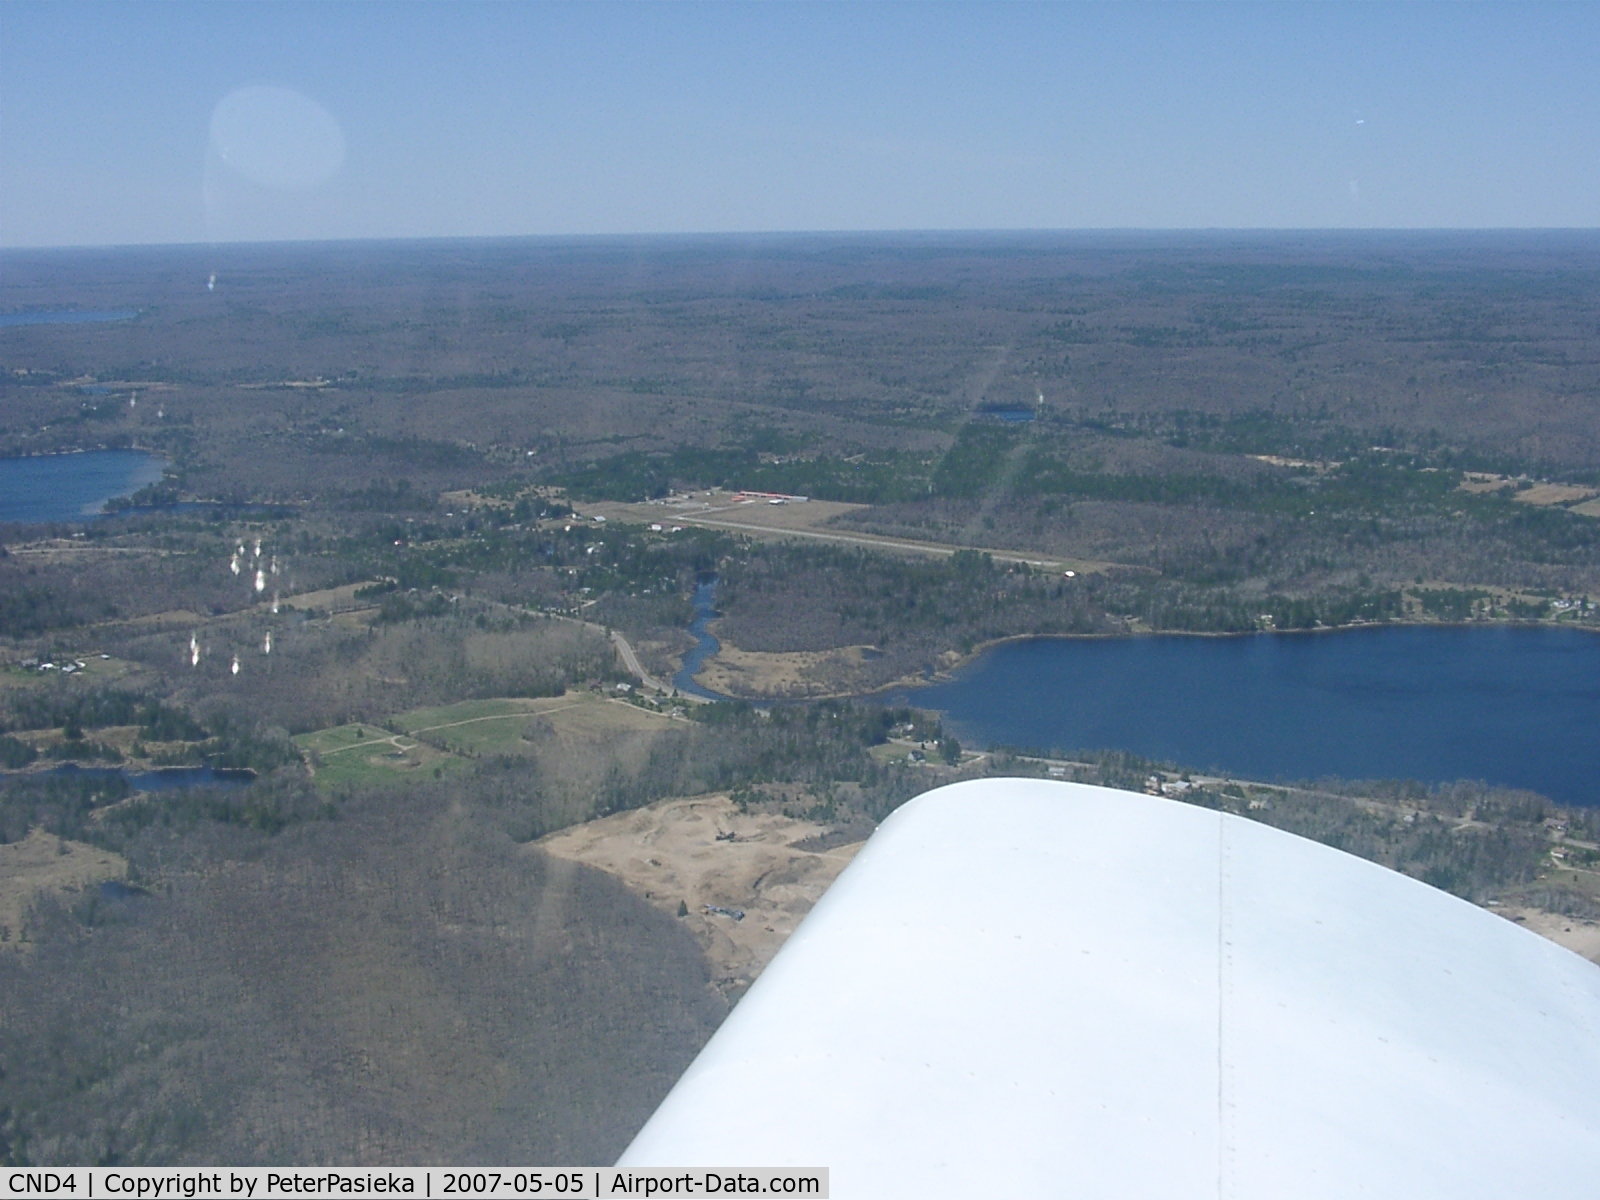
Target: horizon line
column 708, row 235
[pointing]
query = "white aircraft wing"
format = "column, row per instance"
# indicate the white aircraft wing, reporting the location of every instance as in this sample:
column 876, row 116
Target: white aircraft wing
column 1022, row 988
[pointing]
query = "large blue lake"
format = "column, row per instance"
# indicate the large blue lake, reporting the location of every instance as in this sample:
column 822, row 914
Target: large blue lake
column 71, row 316
column 1513, row 706
column 71, row 487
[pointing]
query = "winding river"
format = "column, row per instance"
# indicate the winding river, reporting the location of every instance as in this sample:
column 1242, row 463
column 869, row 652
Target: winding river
column 706, row 644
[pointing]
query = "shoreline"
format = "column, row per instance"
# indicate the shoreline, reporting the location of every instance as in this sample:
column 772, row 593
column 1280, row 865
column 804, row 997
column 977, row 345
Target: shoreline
column 979, row 649
column 152, row 451
column 983, row 647
column 113, row 505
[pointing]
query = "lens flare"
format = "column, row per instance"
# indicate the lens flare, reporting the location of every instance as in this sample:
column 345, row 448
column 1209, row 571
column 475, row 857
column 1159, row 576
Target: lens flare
column 277, row 138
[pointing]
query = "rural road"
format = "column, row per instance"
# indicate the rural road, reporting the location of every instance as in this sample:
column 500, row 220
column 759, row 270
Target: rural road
column 631, row 661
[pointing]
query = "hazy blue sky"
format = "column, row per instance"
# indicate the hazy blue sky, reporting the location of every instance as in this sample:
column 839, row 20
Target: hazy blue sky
column 127, row 123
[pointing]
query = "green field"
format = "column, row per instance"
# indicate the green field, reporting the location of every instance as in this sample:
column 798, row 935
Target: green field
column 472, row 711
column 433, row 743
column 360, row 756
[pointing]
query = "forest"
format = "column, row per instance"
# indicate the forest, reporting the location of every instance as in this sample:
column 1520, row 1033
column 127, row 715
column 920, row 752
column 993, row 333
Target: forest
column 280, row 734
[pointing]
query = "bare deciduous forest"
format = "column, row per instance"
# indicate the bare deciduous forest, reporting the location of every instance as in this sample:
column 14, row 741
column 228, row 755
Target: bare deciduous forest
column 377, row 584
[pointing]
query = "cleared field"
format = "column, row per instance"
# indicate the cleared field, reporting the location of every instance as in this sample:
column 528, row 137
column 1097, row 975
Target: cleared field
column 465, row 712
column 1546, row 494
column 810, row 514
column 1580, row 936
column 95, row 670
column 778, row 675
column 813, row 520
column 900, row 752
column 434, row 743
column 361, row 756
column 43, row 863
column 64, row 550
column 333, row 600
column 706, row 854
column 1542, row 495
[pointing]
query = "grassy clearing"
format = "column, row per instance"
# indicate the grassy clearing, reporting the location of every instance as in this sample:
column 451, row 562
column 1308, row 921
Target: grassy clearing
column 334, row 599
column 340, row 738
column 45, row 863
column 477, row 728
column 436, row 743
column 95, row 670
column 470, row 710
column 894, row 752
column 362, row 756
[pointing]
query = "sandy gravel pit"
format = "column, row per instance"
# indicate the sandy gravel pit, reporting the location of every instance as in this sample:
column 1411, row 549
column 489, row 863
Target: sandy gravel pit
column 1579, row 936
column 703, row 851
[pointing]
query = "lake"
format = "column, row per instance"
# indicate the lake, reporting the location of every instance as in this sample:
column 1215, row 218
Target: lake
column 1513, row 706
column 66, row 317
column 71, row 487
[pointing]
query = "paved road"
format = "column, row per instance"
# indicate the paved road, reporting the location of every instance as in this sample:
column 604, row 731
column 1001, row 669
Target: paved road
column 631, row 661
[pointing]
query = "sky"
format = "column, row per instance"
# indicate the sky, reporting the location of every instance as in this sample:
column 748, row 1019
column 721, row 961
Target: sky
column 171, row 122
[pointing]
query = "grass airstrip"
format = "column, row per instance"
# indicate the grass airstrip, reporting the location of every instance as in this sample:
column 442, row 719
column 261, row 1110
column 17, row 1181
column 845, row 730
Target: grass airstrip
column 435, row 743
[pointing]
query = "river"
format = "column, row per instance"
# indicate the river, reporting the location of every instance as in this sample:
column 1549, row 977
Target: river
column 706, row 644
column 1517, row 706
